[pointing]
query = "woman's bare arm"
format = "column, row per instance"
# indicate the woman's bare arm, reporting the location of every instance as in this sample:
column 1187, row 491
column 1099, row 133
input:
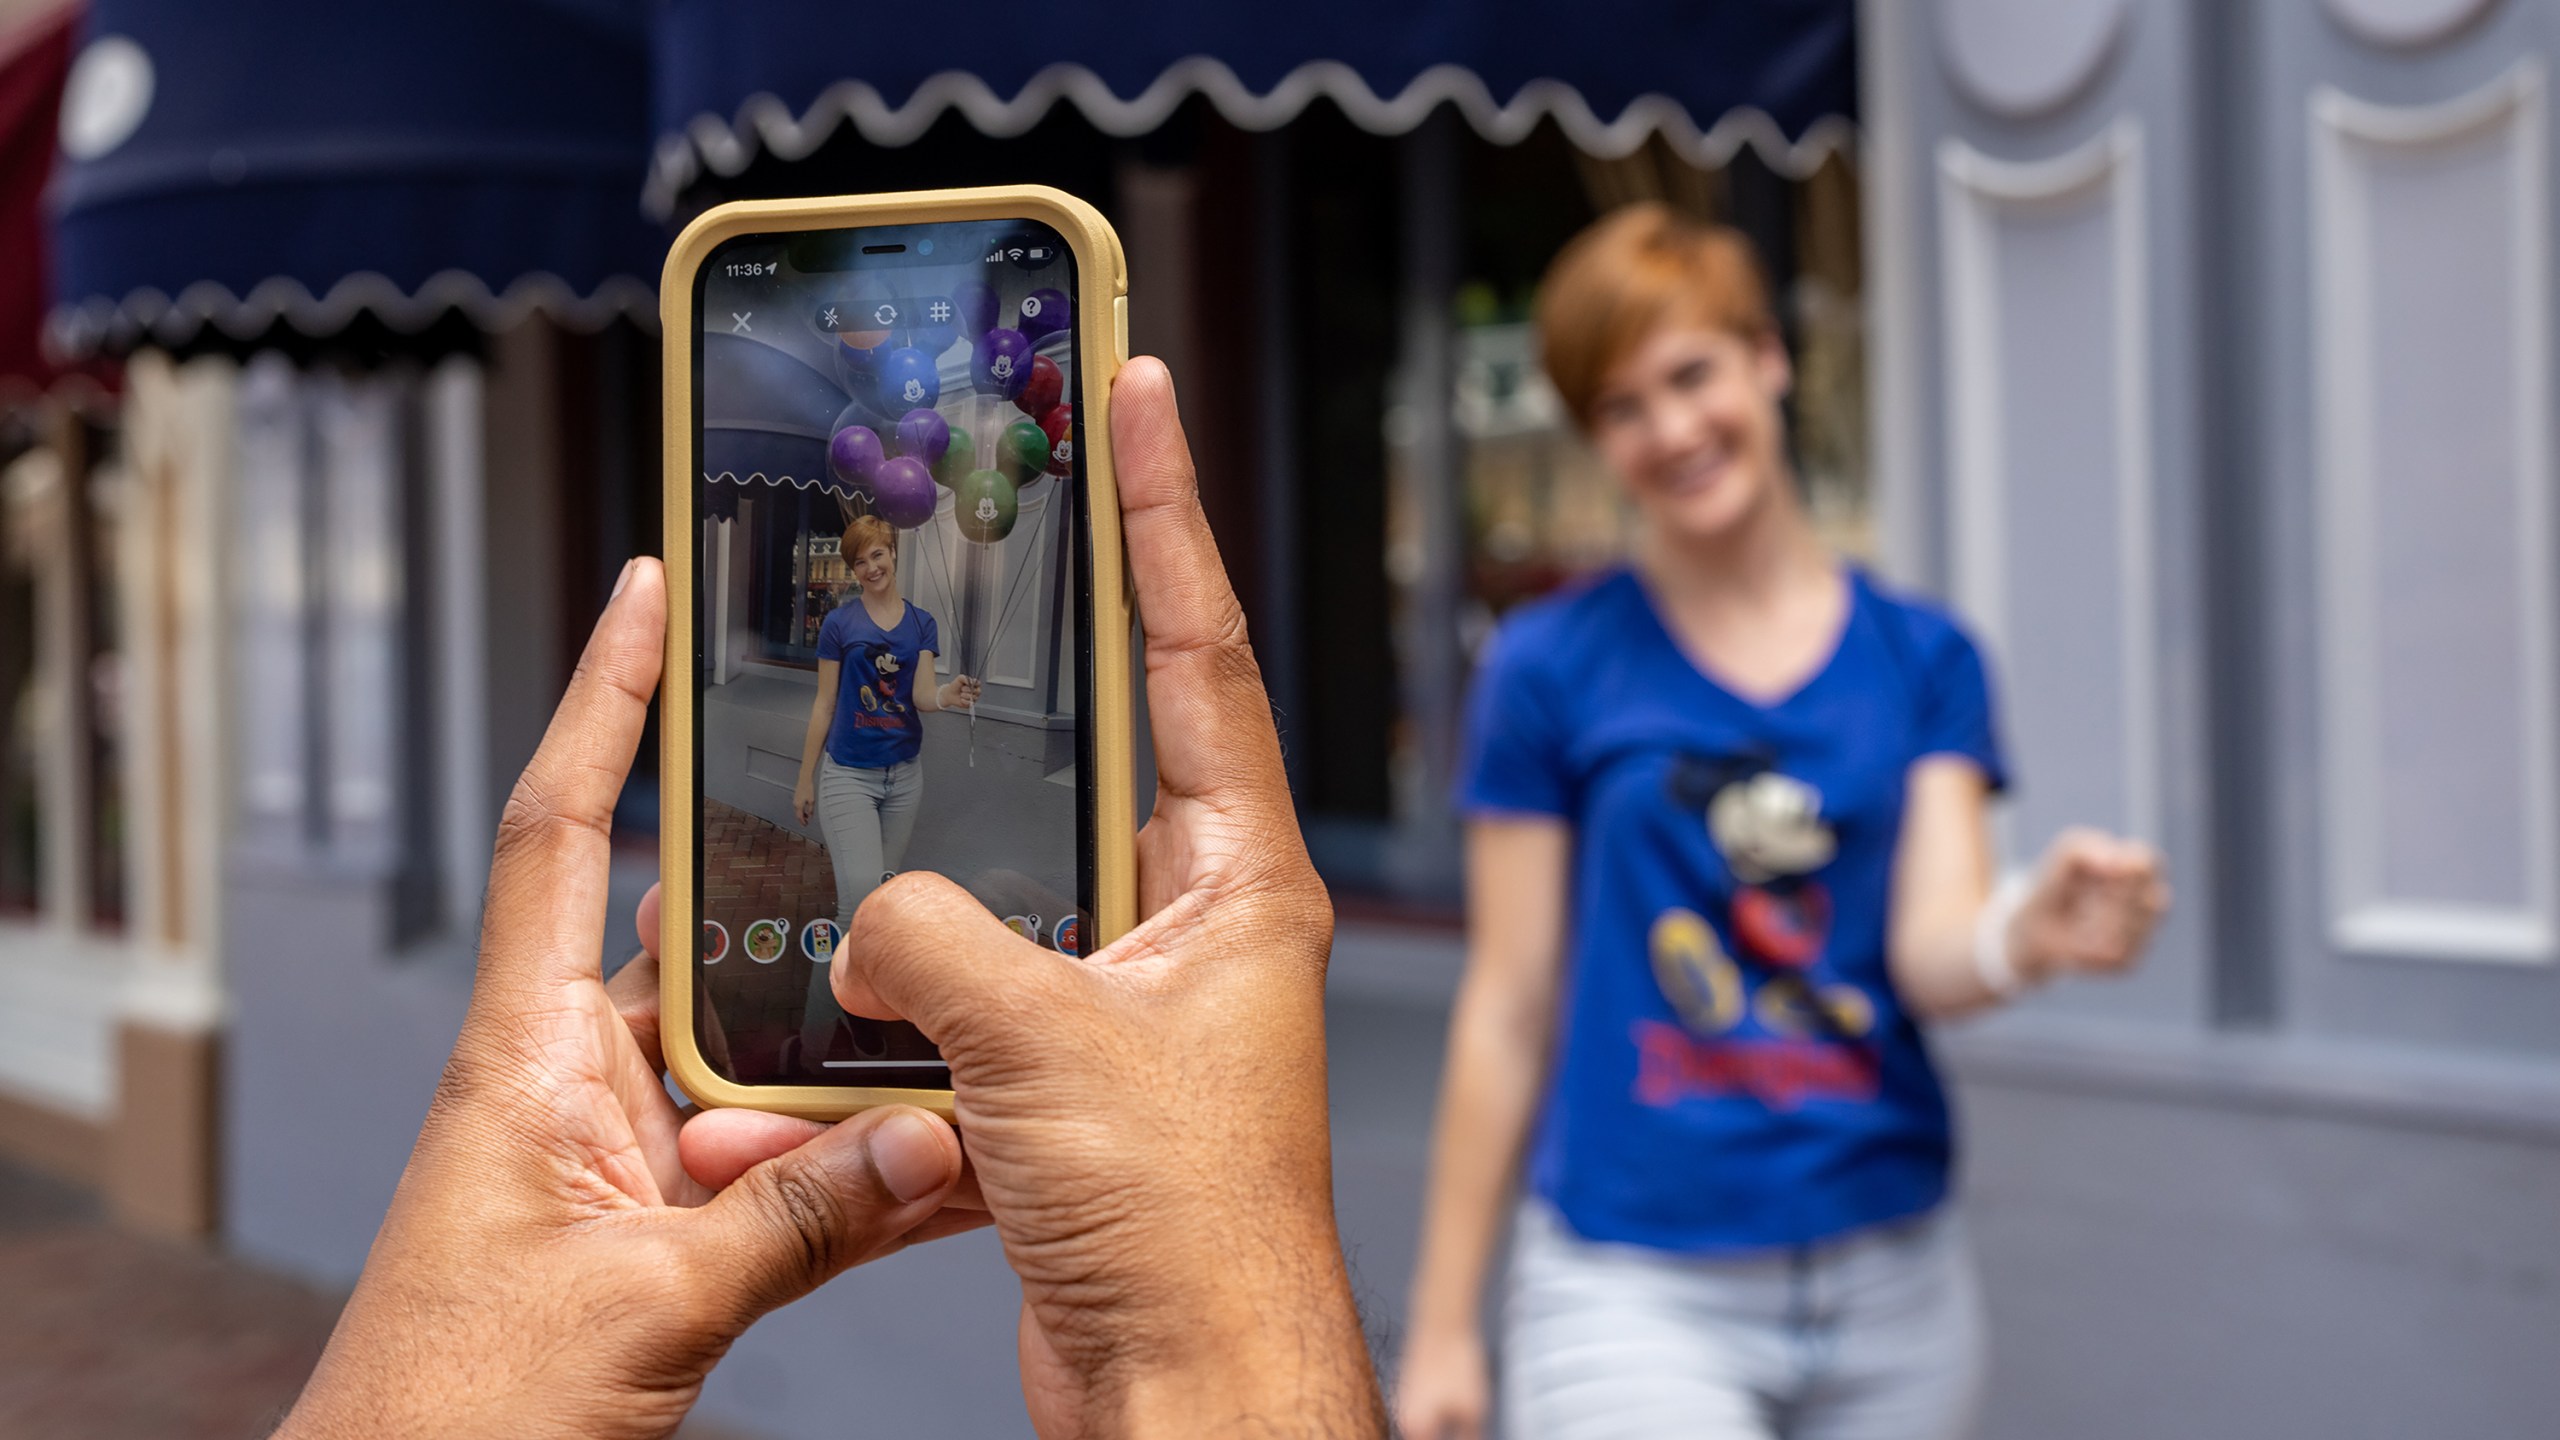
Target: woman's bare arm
column 1518, row 878
column 2090, row 908
column 822, row 718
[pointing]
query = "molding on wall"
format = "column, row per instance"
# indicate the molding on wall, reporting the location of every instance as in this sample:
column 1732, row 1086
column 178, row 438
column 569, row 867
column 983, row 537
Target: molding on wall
column 2020, row 59
column 2362, row 917
column 2406, row 24
column 1891, row 178
column 2348, row 1080
column 1976, row 194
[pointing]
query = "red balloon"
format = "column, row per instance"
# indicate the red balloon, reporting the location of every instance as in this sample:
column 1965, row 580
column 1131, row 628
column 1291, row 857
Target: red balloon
column 1059, row 426
column 1046, row 387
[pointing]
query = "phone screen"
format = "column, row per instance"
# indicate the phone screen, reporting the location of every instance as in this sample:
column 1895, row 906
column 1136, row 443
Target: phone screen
column 892, row 617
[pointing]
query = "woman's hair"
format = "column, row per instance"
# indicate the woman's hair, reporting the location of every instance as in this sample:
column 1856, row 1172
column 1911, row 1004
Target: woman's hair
column 1631, row 271
column 864, row 532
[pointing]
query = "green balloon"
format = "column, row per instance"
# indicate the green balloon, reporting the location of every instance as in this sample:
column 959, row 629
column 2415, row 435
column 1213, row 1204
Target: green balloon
column 986, row 505
column 1023, row 453
column 956, row 461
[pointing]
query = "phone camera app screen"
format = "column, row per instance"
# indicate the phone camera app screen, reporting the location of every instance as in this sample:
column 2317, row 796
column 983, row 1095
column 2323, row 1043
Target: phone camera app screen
column 889, row 627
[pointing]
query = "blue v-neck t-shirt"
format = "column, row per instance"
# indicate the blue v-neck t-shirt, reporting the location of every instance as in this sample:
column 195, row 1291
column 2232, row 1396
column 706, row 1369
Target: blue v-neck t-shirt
column 1732, row 1069
column 876, row 724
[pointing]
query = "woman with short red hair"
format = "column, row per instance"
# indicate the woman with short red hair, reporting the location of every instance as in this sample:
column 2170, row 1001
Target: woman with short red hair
column 1727, row 849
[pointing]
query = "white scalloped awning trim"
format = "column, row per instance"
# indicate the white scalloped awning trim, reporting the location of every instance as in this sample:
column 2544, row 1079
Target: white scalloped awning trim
column 732, row 477
column 150, row 314
column 765, row 123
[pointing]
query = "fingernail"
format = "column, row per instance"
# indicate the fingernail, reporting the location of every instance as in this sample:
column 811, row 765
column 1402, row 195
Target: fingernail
column 621, row 580
column 909, row 1157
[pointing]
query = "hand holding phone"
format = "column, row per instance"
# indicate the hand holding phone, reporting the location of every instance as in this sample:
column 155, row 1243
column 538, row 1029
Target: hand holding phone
column 1147, row 1124
column 548, row 1267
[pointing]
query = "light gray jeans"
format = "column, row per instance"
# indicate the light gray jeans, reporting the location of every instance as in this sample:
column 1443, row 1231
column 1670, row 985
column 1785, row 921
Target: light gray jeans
column 867, row 817
column 1874, row 1336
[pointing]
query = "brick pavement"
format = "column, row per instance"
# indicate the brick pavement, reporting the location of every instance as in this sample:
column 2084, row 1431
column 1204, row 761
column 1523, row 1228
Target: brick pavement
column 753, row 869
column 108, row 1335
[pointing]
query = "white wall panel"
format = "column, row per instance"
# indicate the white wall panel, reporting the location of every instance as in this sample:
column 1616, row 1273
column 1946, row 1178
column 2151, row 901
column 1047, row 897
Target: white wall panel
column 2431, row 338
column 2047, row 373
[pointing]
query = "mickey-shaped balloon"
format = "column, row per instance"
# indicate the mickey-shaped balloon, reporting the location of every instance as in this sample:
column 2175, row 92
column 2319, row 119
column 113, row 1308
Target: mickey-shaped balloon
column 902, row 491
column 1044, row 312
column 1059, row 425
column 1046, row 387
column 854, row 456
column 985, row 504
column 959, row 457
column 908, row 381
column 1002, row 365
column 1022, row 452
column 924, row 434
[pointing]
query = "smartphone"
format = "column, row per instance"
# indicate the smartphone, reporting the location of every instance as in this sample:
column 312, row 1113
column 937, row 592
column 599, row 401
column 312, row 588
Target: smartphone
column 898, row 626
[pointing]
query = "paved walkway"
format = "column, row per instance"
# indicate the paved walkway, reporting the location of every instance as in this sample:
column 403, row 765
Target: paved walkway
column 106, row 1335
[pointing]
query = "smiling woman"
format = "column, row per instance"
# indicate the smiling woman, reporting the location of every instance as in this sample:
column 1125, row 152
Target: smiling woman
column 1727, row 852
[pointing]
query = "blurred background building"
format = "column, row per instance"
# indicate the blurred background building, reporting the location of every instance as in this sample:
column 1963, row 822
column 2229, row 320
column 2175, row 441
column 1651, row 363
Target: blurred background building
column 2199, row 350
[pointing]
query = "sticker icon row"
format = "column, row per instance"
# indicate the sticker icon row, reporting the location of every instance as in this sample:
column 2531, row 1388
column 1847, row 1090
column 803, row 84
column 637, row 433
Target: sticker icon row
column 766, row 940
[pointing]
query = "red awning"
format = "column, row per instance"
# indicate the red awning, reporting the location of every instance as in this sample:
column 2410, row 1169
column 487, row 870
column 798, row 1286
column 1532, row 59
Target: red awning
column 35, row 54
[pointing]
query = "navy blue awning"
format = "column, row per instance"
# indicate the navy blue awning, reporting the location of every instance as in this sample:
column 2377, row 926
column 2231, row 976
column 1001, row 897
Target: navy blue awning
column 252, row 162
column 734, row 77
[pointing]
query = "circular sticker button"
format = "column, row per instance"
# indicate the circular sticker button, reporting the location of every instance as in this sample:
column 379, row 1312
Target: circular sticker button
column 766, row 940
column 818, row 941
column 715, row 942
column 1026, row 926
column 1068, row 937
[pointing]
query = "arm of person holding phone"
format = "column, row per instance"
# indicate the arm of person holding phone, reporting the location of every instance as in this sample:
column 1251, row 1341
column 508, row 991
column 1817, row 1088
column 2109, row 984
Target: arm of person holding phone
column 1146, row 1126
column 1499, row 1036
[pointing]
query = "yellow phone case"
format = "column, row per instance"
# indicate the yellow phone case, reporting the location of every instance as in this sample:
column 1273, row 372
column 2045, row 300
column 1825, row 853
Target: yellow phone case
column 1102, row 280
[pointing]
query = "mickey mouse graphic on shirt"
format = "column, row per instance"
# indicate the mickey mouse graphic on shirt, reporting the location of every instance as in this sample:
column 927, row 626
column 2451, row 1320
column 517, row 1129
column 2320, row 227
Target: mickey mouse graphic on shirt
column 879, row 692
column 1768, row 828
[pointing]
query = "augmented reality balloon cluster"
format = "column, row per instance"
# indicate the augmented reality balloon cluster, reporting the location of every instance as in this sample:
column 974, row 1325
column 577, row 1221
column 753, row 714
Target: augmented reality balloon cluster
column 894, row 371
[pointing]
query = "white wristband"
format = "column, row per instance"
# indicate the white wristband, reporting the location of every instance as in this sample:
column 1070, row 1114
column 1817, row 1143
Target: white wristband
column 1992, row 962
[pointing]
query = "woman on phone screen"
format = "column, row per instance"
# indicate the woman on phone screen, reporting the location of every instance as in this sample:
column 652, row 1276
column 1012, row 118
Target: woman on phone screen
column 861, row 771
column 1727, row 849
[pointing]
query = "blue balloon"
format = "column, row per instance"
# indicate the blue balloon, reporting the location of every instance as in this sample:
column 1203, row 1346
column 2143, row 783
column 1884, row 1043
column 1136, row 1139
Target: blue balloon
column 908, row 380
column 936, row 321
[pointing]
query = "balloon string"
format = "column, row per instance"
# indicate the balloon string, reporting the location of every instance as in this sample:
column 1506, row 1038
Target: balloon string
column 1004, row 618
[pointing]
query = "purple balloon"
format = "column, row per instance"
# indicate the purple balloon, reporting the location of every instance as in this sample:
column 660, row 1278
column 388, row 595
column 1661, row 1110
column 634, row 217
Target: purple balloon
column 855, row 455
column 902, row 491
column 1002, row 365
column 1044, row 312
column 924, row 434
column 977, row 306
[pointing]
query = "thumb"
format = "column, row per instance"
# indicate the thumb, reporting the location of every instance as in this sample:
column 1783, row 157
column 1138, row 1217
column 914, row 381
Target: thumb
column 925, row 951
column 849, row 1195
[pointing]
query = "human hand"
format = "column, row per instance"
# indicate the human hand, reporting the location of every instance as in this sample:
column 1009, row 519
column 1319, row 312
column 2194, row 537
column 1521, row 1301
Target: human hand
column 804, row 803
column 548, row 1267
column 1444, row 1388
column 1148, row 1123
column 964, row 693
column 2092, row 908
